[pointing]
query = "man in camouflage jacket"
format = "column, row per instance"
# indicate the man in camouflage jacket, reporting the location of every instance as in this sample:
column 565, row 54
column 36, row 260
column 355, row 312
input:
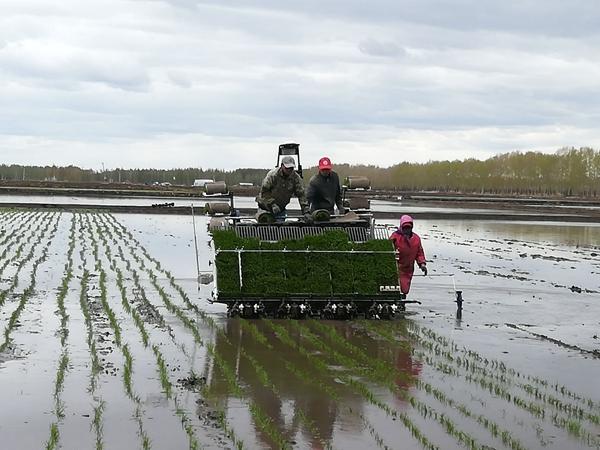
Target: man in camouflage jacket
column 279, row 186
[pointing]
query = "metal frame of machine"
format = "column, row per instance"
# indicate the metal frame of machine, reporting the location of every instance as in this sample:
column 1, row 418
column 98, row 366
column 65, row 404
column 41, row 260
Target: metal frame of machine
column 360, row 227
column 386, row 303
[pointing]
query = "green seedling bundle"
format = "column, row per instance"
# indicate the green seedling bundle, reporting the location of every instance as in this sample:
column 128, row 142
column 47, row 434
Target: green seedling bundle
column 324, row 265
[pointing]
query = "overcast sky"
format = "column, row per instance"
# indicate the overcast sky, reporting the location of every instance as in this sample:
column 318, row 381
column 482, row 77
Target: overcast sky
column 183, row 83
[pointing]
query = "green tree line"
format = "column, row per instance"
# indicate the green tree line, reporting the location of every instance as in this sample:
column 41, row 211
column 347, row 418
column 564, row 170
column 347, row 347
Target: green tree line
column 569, row 171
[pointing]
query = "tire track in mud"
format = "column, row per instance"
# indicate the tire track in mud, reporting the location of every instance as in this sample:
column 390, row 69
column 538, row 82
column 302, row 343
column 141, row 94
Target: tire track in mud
column 566, row 416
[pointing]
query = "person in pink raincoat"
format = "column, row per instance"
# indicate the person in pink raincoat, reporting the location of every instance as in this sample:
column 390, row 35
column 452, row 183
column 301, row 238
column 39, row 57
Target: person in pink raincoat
column 409, row 250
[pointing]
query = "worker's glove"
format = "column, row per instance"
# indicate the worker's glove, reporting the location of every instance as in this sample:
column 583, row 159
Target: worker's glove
column 308, row 218
column 275, row 209
column 423, row 268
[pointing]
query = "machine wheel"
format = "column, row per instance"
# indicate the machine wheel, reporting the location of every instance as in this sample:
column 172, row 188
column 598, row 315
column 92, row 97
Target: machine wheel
column 233, row 311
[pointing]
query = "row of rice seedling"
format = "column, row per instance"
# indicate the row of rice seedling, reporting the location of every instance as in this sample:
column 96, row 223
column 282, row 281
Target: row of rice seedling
column 424, row 409
column 95, row 365
column 54, row 438
column 135, row 245
column 16, row 223
column 379, row 373
column 495, row 384
column 164, row 378
column 99, row 405
column 164, row 296
column 155, row 316
column 46, row 236
column 189, row 324
column 162, row 370
column 264, row 379
column 6, row 215
column 261, row 419
column 492, row 427
column 25, row 236
column 496, row 375
column 261, row 373
column 29, row 290
column 117, row 333
column 571, row 402
column 139, row 293
column 120, row 280
column 318, row 363
column 302, row 376
column 64, row 287
column 63, row 332
column 558, row 412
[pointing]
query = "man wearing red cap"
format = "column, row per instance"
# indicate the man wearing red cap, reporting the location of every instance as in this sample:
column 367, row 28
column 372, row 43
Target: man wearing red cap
column 324, row 190
column 409, row 249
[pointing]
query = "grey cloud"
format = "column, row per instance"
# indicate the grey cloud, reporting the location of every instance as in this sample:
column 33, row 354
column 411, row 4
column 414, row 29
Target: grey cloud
column 245, row 73
column 551, row 17
column 373, row 47
column 65, row 64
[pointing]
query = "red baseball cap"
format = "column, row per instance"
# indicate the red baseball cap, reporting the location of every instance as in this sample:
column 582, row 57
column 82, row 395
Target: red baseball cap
column 325, row 163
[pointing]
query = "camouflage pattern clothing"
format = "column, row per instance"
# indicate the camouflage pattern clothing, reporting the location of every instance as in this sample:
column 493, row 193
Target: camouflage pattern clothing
column 278, row 189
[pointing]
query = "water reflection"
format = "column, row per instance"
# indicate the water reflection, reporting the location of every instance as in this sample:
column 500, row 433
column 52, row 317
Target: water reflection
column 303, row 391
column 557, row 233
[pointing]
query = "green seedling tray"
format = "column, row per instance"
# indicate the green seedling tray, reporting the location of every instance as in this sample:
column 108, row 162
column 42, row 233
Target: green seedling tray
column 280, row 273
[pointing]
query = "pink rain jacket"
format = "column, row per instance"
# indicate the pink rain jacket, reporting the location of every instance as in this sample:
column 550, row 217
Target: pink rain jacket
column 408, row 251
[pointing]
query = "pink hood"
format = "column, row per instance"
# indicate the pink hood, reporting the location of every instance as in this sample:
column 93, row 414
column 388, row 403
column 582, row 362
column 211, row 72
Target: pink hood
column 405, row 219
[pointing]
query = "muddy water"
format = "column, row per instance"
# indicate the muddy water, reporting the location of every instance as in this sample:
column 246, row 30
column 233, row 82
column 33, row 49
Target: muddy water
column 249, row 202
column 516, row 369
column 522, row 308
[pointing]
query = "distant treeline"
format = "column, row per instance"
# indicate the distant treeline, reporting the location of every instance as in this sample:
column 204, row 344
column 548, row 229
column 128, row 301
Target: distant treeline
column 569, row 171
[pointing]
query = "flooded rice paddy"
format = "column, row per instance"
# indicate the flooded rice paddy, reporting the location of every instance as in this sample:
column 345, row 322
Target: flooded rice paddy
column 250, row 203
column 108, row 343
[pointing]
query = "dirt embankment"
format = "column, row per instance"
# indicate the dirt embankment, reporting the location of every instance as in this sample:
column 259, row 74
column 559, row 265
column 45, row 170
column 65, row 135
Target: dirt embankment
column 471, row 207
